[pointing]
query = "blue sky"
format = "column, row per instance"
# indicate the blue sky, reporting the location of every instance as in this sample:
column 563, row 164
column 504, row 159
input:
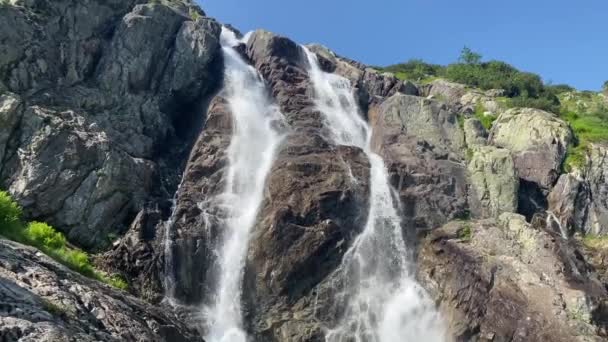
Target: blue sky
column 563, row 41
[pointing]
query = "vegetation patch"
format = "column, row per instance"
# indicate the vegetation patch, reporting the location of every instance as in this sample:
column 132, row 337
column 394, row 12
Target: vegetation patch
column 486, row 119
column 465, row 233
column 587, row 115
column 49, row 241
column 523, row 89
column 598, row 242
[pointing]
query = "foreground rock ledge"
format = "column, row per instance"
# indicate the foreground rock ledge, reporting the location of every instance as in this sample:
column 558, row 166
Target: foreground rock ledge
column 41, row 300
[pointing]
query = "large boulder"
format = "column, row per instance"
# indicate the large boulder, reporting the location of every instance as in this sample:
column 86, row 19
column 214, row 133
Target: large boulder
column 538, row 141
column 423, row 146
column 45, row 301
column 494, row 182
column 515, row 282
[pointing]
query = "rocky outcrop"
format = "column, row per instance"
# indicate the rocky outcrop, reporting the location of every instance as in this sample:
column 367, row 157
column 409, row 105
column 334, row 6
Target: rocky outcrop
column 515, row 282
column 312, row 208
column 579, row 199
column 422, row 145
column 538, row 141
column 45, row 301
column 494, row 182
column 96, row 106
column 474, row 132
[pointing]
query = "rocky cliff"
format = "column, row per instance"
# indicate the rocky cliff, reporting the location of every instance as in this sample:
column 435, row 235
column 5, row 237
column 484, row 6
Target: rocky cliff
column 113, row 129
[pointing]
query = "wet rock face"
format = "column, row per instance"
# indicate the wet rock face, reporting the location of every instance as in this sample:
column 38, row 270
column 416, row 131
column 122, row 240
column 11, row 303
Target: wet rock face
column 195, row 227
column 96, row 105
column 515, row 282
column 314, row 205
column 422, row 145
column 45, row 301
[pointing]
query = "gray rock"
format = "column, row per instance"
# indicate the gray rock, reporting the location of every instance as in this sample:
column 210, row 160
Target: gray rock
column 45, row 301
column 515, row 282
column 427, row 120
column 494, row 182
column 597, row 176
column 141, row 44
column 448, row 92
column 474, row 132
column 98, row 136
column 538, row 141
column 422, row 146
column 10, row 114
column 568, row 201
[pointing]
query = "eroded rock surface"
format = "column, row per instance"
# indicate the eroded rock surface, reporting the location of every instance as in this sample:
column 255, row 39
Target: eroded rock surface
column 423, row 146
column 97, row 109
column 506, row 280
column 494, row 182
column 45, row 301
column 538, row 140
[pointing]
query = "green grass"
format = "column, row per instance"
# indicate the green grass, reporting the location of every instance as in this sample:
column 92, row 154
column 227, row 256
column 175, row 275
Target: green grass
column 49, row 241
column 596, row 241
column 480, row 114
column 587, row 114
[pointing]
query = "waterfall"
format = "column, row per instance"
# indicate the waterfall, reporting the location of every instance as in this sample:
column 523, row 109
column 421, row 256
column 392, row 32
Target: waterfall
column 250, row 156
column 382, row 300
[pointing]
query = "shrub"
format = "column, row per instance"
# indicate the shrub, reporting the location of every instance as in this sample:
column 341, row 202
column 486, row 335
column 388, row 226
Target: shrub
column 486, row 119
column 44, row 236
column 414, row 69
column 10, row 214
column 605, row 86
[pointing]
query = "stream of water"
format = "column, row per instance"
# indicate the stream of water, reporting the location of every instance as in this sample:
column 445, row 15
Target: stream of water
column 251, row 153
column 383, row 302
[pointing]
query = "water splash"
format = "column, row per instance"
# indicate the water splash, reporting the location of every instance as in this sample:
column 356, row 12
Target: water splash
column 382, row 301
column 250, row 154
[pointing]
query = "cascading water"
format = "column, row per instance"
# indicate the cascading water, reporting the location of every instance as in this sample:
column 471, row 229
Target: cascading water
column 382, row 301
column 251, row 153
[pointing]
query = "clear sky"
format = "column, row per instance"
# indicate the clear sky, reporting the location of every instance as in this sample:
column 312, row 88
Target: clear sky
column 565, row 41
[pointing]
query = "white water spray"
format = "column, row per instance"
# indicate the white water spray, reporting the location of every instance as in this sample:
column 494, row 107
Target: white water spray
column 251, row 153
column 383, row 302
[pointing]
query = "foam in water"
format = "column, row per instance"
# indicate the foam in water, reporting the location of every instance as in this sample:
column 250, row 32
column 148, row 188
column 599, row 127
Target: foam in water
column 250, row 154
column 382, row 301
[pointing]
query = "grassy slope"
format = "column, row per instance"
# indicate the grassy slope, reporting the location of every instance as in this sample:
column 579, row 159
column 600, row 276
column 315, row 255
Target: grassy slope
column 49, row 241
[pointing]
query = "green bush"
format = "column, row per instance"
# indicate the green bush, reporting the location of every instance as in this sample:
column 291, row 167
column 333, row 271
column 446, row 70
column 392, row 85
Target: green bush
column 523, row 88
column 414, row 69
column 486, row 119
column 43, row 235
column 10, row 215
